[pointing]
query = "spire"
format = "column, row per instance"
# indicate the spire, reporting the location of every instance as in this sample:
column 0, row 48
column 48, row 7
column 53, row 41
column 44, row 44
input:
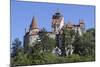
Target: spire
column 81, row 21
column 57, row 11
column 33, row 24
column 25, row 30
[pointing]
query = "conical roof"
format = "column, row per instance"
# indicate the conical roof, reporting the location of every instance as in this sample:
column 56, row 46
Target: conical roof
column 33, row 24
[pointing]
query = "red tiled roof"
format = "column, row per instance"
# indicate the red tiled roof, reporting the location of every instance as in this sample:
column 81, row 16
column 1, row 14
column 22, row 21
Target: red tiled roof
column 33, row 24
column 69, row 24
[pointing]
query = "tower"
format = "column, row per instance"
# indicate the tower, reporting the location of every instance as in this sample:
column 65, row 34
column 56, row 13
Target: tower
column 57, row 22
column 81, row 26
column 31, row 35
column 33, row 27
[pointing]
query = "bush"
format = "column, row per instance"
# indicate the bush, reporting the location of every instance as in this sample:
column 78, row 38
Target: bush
column 73, row 58
column 47, row 58
column 87, row 58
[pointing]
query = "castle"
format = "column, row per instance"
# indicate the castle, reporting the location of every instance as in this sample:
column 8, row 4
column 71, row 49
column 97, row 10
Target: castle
column 58, row 23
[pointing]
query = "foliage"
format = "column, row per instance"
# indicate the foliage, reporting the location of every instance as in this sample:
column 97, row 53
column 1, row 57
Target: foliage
column 51, row 43
column 44, row 39
column 84, row 49
column 84, row 45
column 46, row 42
column 15, row 47
column 67, row 37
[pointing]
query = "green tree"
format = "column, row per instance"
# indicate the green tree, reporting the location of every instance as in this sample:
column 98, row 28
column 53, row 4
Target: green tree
column 46, row 42
column 88, row 40
column 77, row 43
column 51, row 43
column 92, row 31
column 85, row 44
column 15, row 47
column 68, row 37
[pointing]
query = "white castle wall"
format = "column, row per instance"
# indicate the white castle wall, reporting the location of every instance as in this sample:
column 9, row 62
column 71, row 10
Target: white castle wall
column 61, row 23
column 33, row 39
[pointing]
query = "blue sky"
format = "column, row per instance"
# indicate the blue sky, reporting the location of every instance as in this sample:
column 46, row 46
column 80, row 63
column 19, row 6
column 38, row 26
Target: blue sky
column 22, row 13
